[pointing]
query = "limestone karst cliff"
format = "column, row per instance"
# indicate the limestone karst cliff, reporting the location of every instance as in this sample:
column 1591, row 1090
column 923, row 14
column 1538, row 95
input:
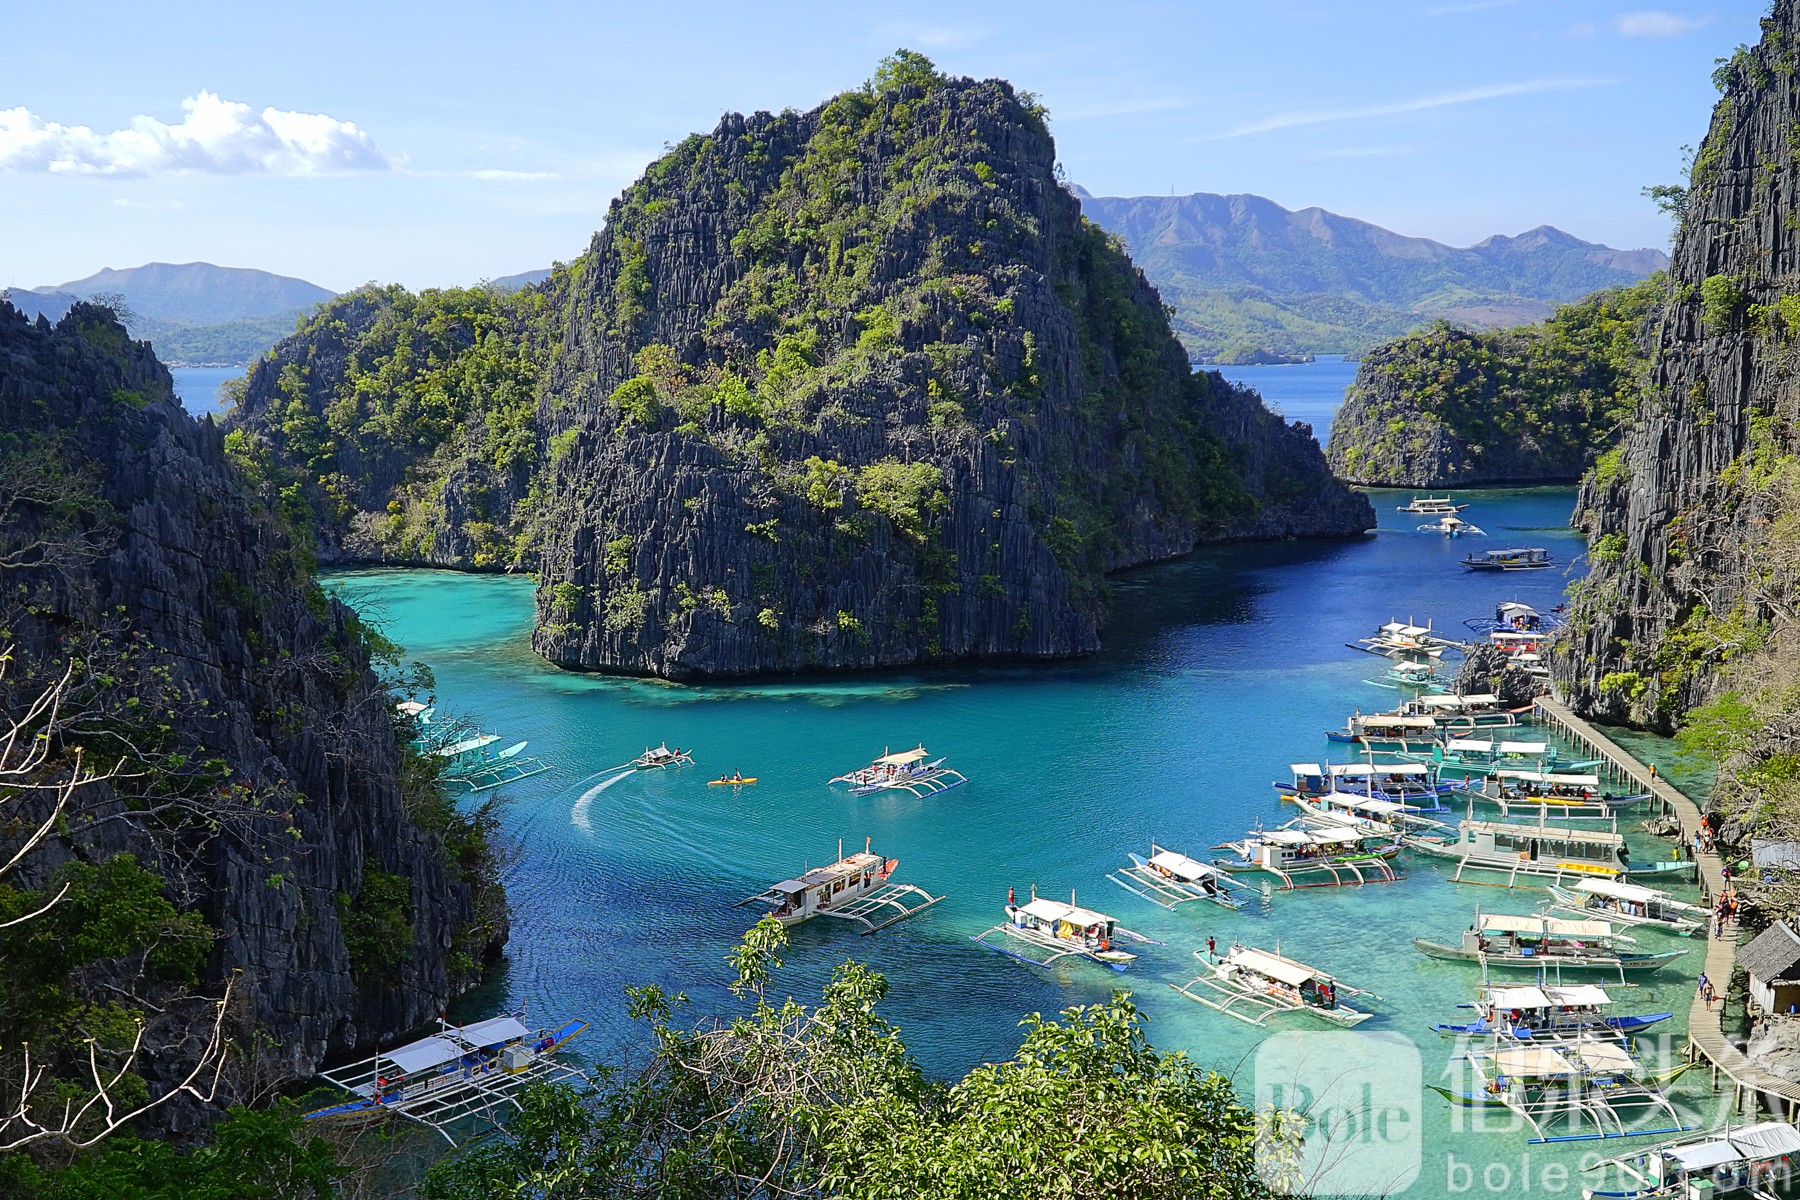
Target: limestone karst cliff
column 854, row 387
column 257, row 772
column 1446, row 407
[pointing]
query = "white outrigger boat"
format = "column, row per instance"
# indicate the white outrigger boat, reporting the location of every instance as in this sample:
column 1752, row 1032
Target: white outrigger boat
column 1578, row 1080
column 1755, row 1161
column 1504, row 941
column 1389, row 732
column 1473, row 711
column 461, row 1072
column 1253, row 985
column 1374, row 816
column 1057, row 930
column 1513, row 558
column 1403, row 675
column 1302, row 856
column 1451, row 525
column 662, row 758
column 906, row 771
column 1169, row 878
column 1406, row 640
column 1514, row 616
column 1553, row 795
column 1410, row 783
column 1528, row 1011
column 1628, row 904
column 1475, row 758
column 1555, row 852
column 854, row 888
column 1430, row 506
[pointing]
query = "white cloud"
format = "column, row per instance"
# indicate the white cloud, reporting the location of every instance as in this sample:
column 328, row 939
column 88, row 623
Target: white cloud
column 216, row 136
column 935, row 37
column 1292, row 120
column 1655, row 23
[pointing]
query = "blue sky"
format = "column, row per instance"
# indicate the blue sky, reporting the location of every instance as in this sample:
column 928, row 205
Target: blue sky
column 445, row 143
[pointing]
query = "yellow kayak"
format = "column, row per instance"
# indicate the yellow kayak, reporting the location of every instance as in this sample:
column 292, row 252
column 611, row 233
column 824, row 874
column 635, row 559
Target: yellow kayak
column 732, row 780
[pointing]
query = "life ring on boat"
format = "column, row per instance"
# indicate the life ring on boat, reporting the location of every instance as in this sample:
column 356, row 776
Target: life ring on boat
column 1106, row 943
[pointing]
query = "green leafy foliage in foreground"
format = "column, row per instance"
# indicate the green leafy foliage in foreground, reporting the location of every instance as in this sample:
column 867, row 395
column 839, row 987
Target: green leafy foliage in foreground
column 825, row 1101
column 249, row 1156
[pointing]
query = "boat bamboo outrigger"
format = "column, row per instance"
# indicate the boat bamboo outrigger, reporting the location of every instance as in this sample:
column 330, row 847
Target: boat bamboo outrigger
column 1253, row 985
column 662, row 758
column 906, row 771
column 1579, row 1080
column 1501, row 941
column 475, row 771
column 1555, row 852
column 1169, row 878
column 854, row 888
column 462, row 1072
column 1056, row 931
column 1749, row 1160
column 1527, row 1011
column 1628, row 904
column 1303, row 857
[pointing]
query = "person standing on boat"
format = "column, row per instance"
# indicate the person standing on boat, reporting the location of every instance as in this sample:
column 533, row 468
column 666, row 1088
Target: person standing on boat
column 1212, row 948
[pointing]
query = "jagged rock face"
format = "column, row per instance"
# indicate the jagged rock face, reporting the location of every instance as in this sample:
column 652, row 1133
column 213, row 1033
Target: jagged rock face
column 1691, row 531
column 963, row 322
column 182, row 577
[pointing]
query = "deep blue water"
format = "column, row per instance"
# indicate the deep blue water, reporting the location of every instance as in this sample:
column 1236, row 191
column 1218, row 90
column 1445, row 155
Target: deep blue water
column 1218, row 670
column 1309, row 392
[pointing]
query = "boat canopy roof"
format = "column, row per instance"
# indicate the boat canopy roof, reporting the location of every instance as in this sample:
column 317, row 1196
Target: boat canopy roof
column 423, row 1054
column 1703, row 1156
column 493, row 1031
column 1287, row 837
column 850, row 864
column 1056, row 910
column 1502, row 636
column 1456, row 701
column 1524, row 747
column 1273, row 965
column 411, row 708
column 1537, row 1062
column 1181, row 866
column 1599, row 1056
column 902, row 759
column 1469, row 745
column 1402, row 627
column 1307, row 769
column 1366, row 804
column 1619, row 891
column 1771, row 1139
column 1552, row 777
column 1578, row 994
column 467, row 744
column 1542, row 926
column 1597, row 837
column 1401, row 720
column 1363, row 770
column 1334, row 837
column 1516, row 608
column 1520, row 997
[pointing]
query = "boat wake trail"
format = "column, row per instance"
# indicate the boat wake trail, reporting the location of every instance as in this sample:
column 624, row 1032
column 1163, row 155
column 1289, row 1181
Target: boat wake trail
column 579, row 814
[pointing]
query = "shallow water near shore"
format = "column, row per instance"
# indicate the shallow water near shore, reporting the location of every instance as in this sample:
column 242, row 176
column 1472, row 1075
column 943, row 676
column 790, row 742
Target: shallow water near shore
column 1218, row 670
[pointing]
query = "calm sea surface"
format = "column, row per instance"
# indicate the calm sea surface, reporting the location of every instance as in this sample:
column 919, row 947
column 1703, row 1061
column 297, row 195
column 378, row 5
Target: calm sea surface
column 1309, row 392
column 1219, row 670
column 198, row 387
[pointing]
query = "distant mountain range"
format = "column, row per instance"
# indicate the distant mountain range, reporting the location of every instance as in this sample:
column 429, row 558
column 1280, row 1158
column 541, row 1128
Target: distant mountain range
column 1246, row 274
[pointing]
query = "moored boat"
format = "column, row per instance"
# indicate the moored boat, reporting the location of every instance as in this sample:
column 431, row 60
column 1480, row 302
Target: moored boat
column 1049, row 930
column 1430, row 506
column 1451, row 525
column 1388, row 731
column 1539, row 851
column 1475, row 711
column 1628, row 904
column 1169, row 878
column 854, row 888
column 1309, row 857
column 1372, row 814
column 662, row 758
column 1746, row 1160
column 1253, row 985
column 1569, row 1084
column 1504, row 941
column 1408, row 783
column 1529, row 1011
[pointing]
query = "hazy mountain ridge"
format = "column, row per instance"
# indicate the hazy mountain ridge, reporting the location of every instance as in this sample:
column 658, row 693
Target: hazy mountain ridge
column 1243, row 271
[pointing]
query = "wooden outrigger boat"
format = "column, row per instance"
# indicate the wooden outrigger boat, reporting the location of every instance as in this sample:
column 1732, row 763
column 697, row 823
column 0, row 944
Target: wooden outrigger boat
column 1388, row 731
column 1628, row 904
column 1756, row 1161
column 1501, row 941
column 1555, row 852
column 1430, row 506
column 1386, row 819
column 478, row 772
column 1513, row 616
column 1514, row 558
column 1409, row 783
column 854, row 888
column 1535, row 1011
column 906, row 771
column 1169, row 878
column 1474, row 758
column 1402, row 675
column 1406, row 640
column 1577, row 1080
column 1451, row 525
column 1253, row 985
column 461, row 1072
column 662, row 758
column 1309, row 857
column 1474, row 711
column 1057, row 931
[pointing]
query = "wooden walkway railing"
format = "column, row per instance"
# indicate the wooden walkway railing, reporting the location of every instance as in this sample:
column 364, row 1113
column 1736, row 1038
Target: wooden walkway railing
column 1706, row 1037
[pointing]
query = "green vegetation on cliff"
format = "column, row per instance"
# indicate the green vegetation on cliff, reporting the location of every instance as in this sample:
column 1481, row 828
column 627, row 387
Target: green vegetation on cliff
column 1446, row 407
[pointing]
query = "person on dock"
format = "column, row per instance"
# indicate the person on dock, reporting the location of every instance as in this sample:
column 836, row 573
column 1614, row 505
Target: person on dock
column 1705, row 989
column 1653, row 774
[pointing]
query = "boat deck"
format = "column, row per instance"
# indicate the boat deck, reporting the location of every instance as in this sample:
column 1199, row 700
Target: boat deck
column 1706, row 1037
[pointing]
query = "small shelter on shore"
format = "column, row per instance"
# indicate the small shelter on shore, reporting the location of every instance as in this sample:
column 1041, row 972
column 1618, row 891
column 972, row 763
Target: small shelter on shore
column 1772, row 960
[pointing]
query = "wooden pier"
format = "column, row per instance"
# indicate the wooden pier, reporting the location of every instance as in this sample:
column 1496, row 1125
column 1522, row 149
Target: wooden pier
column 1706, row 1037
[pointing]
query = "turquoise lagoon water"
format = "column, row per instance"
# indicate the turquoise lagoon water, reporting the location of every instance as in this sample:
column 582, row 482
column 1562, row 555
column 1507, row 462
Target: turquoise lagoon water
column 1217, row 672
